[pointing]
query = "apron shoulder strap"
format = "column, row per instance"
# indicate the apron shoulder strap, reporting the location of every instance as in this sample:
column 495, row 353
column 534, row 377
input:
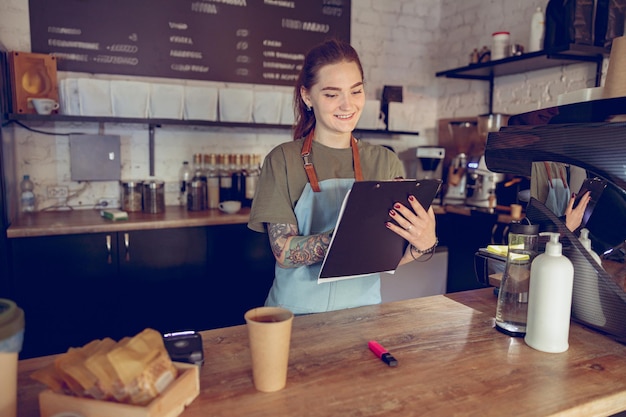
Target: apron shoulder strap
column 549, row 173
column 308, row 165
column 356, row 160
column 310, row 169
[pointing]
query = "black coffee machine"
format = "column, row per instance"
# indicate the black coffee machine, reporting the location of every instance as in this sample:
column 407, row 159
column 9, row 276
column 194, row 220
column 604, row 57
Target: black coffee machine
column 588, row 136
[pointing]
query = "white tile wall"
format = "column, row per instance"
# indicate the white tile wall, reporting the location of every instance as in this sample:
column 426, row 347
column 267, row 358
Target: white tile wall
column 401, row 42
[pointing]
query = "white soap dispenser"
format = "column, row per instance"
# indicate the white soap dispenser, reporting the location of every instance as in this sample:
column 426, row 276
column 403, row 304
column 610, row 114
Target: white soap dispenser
column 550, row 299
column 586, row 242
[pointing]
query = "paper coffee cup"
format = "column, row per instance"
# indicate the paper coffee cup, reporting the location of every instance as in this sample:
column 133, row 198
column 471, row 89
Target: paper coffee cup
column 269, row 333
column 11, row 337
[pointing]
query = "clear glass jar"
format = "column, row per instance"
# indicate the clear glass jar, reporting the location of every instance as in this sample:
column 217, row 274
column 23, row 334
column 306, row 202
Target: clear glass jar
column 512, row 307
column 131, row 196
column 153, row 196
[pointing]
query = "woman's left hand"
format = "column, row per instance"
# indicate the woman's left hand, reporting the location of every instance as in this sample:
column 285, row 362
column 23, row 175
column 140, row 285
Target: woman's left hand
column 574, row 216
column 414, row 224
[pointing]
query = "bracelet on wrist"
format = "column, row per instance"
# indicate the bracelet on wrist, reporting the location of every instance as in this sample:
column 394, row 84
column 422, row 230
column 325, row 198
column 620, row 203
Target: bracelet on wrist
column 430, row 250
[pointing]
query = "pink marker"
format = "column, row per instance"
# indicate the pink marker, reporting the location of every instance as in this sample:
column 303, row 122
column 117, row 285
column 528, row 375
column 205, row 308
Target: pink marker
column 382, row 353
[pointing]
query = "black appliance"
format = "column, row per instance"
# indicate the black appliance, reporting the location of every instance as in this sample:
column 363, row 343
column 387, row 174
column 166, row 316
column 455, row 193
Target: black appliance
column 591, row 136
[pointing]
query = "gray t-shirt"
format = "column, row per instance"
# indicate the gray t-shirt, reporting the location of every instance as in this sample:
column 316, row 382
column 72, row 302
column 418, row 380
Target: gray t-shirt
column 283, row 177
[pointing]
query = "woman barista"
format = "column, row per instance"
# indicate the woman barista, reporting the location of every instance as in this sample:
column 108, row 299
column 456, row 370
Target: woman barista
column 298, row 203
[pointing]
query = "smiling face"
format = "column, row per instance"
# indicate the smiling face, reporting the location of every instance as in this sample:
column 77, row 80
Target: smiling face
column 337, row 98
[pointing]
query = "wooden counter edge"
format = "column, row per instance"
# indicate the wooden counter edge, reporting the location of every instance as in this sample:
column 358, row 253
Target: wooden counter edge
column 172, row 218
column 64, row 223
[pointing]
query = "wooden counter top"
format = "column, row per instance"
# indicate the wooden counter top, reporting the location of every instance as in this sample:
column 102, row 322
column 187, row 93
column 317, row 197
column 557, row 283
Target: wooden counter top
column 50, row 223
column 451, row 362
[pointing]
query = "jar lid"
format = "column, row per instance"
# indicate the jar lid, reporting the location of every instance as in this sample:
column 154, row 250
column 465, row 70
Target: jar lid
column 524, row 229
column 152, row 184
column 131, row 183
column 198, row 183
column 11, row 319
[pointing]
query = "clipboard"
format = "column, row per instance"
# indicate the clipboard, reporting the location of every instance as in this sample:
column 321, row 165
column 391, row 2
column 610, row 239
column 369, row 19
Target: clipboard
column 361, row 243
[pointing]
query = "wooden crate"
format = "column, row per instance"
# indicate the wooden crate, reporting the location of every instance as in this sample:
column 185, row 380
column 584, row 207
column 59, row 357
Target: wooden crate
column 170, row 403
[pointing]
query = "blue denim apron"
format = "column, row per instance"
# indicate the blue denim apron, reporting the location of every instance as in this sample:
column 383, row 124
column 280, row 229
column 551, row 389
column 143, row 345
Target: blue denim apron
column 317, row 212
column 558, row 192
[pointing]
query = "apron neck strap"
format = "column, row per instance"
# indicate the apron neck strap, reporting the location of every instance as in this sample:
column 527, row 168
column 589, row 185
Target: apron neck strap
column 559, row 171
column 310, row 169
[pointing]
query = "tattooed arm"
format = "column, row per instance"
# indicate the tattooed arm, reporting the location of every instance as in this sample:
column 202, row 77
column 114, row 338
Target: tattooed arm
column 292, row 250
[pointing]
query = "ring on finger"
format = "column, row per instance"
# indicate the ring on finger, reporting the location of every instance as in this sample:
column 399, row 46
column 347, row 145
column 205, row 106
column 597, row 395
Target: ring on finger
column 409, row 228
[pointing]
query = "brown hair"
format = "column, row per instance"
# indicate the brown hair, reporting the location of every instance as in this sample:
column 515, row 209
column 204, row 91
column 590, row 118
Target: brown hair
column 331, row 51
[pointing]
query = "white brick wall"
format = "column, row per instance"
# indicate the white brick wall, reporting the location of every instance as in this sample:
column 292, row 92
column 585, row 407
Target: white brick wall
column 469, row 24
column 401, row 42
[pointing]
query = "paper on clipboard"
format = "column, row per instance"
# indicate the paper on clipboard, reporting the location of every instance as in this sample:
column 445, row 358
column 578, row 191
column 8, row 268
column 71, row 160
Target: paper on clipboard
column 361, row 243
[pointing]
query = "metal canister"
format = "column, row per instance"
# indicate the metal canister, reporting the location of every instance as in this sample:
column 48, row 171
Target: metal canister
column 197, row 195
column 131, row 197
column 153, row 196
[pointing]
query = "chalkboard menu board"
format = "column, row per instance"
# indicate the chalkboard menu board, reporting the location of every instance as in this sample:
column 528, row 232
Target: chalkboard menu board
column 245, row 41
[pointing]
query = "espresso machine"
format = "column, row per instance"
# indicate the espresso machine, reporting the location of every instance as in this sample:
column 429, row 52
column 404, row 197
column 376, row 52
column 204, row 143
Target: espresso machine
column 456, row 183
column 462, row 134
column 587, row 136
column 481, row 182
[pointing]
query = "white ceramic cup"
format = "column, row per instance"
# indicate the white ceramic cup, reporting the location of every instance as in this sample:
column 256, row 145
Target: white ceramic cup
column 230, row 206
column 44, row 105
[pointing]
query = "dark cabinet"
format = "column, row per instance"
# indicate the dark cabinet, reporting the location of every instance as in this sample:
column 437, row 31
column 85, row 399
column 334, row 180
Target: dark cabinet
column 66, row 286
column 463, row 235
column 163, row 278
column 243, row 264
column 76, row 288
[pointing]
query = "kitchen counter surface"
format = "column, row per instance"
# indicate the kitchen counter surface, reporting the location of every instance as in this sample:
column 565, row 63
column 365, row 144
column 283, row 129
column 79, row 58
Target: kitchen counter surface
column 451, row 362
column 50, row 223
